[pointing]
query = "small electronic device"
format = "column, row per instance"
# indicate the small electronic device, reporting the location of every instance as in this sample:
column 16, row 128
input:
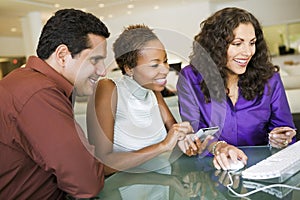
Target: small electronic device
column 204, row 132
column 235, row 166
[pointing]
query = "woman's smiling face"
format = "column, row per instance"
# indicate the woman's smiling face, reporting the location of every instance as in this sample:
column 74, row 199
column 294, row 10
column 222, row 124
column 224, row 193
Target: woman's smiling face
column 152, row 66
column 241, row 49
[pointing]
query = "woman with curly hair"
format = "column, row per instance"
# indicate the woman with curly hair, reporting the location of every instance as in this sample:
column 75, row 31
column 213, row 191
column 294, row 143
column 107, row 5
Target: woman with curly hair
column 231, row 83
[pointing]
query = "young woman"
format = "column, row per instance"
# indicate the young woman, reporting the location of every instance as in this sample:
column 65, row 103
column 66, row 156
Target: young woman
column 133, row 123
column 231, row 82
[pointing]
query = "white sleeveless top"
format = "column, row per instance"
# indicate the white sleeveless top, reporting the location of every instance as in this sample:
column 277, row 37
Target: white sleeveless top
column 138, row 121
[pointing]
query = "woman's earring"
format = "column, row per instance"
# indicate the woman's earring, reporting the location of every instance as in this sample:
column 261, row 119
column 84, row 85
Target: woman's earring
column 131, row 74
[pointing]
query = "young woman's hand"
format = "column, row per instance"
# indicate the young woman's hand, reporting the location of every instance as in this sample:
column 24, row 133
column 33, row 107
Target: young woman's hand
column 177, row 133
column 192, row 145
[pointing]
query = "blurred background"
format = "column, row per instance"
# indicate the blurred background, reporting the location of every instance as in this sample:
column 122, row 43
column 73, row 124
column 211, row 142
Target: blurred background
column 174, row 21
column 177, row 21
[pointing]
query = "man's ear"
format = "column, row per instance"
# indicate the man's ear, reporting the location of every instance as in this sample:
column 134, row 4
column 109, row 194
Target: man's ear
column 61, row 53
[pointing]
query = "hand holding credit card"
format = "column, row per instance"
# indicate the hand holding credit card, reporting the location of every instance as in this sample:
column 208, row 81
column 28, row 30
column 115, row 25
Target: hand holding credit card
column 204, row 132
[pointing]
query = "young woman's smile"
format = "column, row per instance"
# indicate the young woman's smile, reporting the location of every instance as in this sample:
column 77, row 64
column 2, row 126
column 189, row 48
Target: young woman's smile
column 152, row 66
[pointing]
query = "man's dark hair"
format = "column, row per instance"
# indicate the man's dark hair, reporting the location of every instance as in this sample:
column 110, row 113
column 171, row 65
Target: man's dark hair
column 70, row 27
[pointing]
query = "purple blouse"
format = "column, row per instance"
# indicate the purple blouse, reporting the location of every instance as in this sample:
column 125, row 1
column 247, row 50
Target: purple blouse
column 246, row 123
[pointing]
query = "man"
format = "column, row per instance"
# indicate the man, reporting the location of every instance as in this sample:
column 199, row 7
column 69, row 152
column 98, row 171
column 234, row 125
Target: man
column 43, row 152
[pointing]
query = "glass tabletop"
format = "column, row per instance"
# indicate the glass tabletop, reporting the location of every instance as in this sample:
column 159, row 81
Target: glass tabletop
column 194, row 178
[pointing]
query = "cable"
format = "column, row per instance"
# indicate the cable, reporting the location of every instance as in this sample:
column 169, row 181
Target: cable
column 256, row 190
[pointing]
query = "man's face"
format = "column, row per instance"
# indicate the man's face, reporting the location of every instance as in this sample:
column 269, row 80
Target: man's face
column 85, row 68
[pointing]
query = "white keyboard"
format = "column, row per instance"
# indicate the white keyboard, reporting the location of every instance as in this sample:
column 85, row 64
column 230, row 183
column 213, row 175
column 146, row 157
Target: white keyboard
column 279, row 192
column 277, row 167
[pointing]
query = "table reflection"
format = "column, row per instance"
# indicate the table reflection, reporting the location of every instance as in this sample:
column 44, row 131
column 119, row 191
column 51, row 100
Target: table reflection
column 193, row 178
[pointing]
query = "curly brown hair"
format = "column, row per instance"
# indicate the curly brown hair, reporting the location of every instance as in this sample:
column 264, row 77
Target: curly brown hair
column 129, row 43
column 214, row 39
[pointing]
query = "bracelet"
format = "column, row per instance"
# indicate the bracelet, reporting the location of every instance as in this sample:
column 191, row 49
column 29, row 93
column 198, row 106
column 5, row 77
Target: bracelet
column 213, row 149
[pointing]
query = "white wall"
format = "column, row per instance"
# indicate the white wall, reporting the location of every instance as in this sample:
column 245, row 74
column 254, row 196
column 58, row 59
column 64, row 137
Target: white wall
column 31, row 29
column 183, row 18
column 268, row 12
column 176, row 25
column 12, row 46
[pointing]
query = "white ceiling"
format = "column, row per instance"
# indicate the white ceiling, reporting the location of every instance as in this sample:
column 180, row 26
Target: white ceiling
column 11, row 11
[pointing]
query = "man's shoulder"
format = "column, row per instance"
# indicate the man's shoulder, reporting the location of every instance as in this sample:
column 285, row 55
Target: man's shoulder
column 22, row 84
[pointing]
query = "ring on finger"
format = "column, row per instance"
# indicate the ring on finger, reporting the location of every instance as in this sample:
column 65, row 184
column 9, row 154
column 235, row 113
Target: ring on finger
column 286, row 142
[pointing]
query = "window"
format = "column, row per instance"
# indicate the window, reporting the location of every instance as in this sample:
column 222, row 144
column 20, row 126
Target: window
column 286, row 36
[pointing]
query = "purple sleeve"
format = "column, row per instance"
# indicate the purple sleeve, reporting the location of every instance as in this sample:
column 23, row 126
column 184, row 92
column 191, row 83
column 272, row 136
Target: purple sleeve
column 281, row 113
column 188, row 100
